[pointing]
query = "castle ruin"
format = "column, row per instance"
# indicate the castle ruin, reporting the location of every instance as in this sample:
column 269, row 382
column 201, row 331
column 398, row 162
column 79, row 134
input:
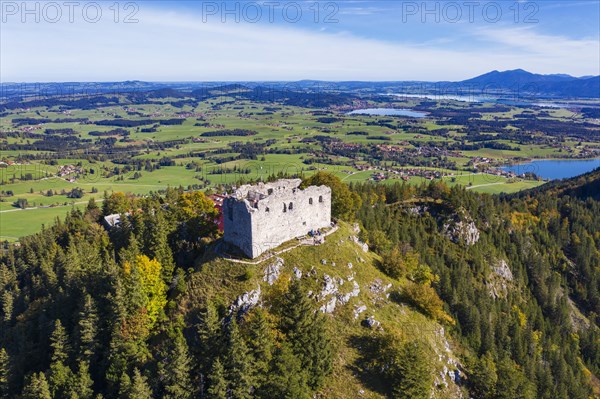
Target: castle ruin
column 263, row 216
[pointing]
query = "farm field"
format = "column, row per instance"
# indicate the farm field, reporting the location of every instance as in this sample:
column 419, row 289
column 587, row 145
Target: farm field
column 54, row 154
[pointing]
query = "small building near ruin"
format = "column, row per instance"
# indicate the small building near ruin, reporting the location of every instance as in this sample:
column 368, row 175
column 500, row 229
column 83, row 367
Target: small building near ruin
column 263, row 216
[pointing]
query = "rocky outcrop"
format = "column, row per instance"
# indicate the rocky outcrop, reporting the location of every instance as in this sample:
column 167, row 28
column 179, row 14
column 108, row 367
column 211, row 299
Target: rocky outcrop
column 345, row 298
column 362, row 245
column 380, row 290
column 500, row 279
column 273, row 271
column 297, row 273
column 450, row 375
column 358, row 309
column 329, row 307
column 462, row 232
column 370, row 322
column 245, row 302
column 330, row 287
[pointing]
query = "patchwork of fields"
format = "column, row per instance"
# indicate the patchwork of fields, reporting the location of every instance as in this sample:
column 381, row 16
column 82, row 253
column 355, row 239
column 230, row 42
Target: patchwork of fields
column 59, row 156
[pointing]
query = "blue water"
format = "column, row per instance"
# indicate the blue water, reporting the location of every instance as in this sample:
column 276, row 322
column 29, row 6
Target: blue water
column 555, row 169
column 389, row 112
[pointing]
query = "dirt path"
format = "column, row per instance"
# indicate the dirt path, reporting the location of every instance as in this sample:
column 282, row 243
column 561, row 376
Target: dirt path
column 306, row 241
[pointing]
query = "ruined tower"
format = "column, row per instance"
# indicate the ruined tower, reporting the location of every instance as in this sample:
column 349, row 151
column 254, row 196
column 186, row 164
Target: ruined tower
column 263, row 216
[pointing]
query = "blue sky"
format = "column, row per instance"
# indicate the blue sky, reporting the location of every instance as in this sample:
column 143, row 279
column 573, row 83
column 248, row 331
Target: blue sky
column 293, row 40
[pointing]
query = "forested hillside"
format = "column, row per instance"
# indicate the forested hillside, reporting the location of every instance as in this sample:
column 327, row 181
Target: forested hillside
column 460, row 294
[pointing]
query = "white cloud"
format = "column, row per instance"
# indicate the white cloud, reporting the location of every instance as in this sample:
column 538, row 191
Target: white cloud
column 175, row 47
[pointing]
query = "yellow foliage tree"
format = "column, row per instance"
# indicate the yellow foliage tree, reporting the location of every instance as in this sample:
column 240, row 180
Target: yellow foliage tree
column 144, row 277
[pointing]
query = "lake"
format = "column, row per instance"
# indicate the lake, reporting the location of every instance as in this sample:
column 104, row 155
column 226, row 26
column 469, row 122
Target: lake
column 555, row 169
column 446, row 97
column 389, row 112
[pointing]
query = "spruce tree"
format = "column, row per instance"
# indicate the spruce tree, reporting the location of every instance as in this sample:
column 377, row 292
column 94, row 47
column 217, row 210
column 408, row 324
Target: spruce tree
column 124, row 386
column 37, row 387
column 82, row 385
column 87, row 329
column 209, row 334
column 175, row 370
column 4, row 374
column 307, row 333
column 59, row 343
column 158, row 245
column 60, row 373
column 217, row 383
column 260, row 343
column 483, row 377
column 139, row 387
column 286, row 379
column 411, row 372
column 238, row 363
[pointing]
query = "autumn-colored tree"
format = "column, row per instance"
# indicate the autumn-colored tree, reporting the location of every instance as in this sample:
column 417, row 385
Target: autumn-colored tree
column 344, row 203
column 144, row 278
column 117, row 203
column 199, row 214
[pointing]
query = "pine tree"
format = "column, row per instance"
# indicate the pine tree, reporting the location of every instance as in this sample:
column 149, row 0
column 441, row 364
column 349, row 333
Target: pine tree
column 82, row 386
column 158, row 245
column 87, row 329
column 307, row 333
column 483, row 377
column 209, row 334
column 217, row 388
column 60, row 373
column 4, row 374
column 175, row 370
column 139, row 387
column 124, row 386
column 7, row 305
column 260, row 343
column 37, row 387
column 411, row 372
column 59, row 343
column 238, row 363
column 286, row 379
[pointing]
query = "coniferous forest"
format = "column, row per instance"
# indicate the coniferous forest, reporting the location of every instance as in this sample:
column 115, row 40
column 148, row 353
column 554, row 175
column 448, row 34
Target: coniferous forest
column 143, row 310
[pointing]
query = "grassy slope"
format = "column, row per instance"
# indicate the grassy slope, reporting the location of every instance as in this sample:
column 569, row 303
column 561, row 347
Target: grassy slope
column 223, row 281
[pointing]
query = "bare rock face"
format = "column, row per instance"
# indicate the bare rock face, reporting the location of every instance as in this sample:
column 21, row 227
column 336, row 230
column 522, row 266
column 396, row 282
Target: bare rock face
column 450, row 373
column 246, row 301
column 499, row 279
column 273, row 271
column 297, row 273
column 358, row 310
column 329, row 307
column 462, row 231
column 377, row 287
column 501, row 269
column 362, row 245
column 330, row 287
column 345, row 298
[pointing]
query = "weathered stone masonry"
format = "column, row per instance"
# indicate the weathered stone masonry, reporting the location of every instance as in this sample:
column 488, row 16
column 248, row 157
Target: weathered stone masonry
column 260, row 217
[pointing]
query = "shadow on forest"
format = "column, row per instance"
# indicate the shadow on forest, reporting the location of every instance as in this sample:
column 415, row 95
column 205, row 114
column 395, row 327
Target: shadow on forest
column 365, row 367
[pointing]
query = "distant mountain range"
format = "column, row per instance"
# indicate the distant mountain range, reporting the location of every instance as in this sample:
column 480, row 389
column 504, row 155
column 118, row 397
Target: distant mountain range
column 519, row 80
column 513, row 83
